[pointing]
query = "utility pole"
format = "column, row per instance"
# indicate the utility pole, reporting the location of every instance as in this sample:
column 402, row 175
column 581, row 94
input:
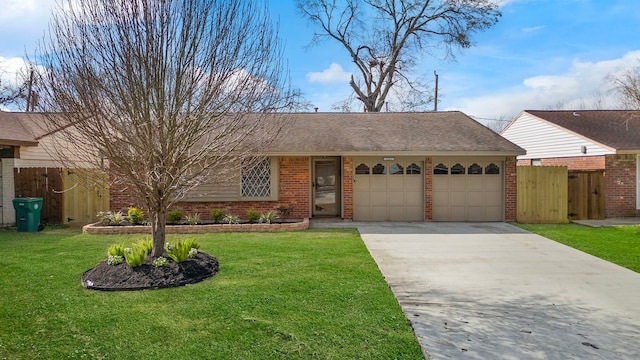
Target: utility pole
column 29, row 92
column 435, row 101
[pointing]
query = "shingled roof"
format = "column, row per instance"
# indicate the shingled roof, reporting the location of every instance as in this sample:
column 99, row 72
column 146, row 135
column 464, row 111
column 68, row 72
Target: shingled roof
column 618, row 129
column 427, row 133
column 13, row 132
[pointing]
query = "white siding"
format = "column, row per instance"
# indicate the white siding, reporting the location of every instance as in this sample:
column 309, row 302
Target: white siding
column 542, row 140
column 7, row 192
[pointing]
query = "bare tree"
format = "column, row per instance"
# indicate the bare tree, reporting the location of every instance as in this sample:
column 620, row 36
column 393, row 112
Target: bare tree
column 627, row 85
column 13, row 94
column 162, row 94
column 385, row 38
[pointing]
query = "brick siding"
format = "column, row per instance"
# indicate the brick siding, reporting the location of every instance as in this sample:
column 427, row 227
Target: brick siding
column 293, row 185
column 510, row 190
column 572, row 163
column 347, row 187
column 620, row 186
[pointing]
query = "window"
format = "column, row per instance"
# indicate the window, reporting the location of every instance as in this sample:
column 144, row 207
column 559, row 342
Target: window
column 492, row 169
column 457, row 169
column 413, row 169
column 396, row 169
column 475, row 169
column 536, row 162
column 256, row 180
column 440, row 169
column 379, row 169
column 362, row 169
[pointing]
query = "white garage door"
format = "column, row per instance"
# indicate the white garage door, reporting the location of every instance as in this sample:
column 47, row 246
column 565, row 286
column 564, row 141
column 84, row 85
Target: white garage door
column 388, row 189
column 468, row 190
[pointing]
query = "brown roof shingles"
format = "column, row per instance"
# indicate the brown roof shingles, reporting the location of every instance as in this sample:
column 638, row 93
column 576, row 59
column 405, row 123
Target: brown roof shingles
column 428, row 132
column 13, row 132
column 619, row 129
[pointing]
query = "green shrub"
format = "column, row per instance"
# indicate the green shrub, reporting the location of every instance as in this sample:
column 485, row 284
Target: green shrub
column 147, row 244
column 216, row 215
column 268, row 218
column 193, row 219
column 174, row 216
column 231, row 219
column 116, row 218
column 253, row 215
column 116, row 250
column 135, row 215
column 183, row 250
column 135, row 255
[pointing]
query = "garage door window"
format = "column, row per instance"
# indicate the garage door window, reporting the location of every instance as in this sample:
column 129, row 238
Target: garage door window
column 362, row 169
column 413, row 169
column 441, row 169
column 475, row 169
column 457, row 169
column 379, row 169
column 492, row 169
column 396, row 169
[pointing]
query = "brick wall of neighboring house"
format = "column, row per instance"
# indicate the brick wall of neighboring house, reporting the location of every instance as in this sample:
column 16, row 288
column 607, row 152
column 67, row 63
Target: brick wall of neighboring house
column 510, row 189
column 428, row 188
column 620, row 186
column 572, row 163
column 347, row 187
column 293, row 192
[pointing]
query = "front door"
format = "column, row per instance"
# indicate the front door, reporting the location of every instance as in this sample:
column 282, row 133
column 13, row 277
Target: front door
column 326, row 187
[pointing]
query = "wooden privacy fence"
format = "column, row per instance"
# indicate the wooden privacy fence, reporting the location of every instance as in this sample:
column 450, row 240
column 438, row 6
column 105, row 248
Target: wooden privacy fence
column 70, row 196
column 542, row 194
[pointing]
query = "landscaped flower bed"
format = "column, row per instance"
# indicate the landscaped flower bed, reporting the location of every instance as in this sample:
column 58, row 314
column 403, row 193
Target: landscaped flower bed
column 289, row 225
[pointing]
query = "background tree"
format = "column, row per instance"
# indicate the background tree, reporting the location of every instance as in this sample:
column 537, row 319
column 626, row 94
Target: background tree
column 627, row 86
column 13, row 94
column 385, row 38
column 159, row 92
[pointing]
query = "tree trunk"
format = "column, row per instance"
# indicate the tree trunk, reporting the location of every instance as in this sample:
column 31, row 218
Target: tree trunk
column 158, row 229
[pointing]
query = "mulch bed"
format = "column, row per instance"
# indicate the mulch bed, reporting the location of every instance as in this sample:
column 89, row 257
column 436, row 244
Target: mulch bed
column 123, row 277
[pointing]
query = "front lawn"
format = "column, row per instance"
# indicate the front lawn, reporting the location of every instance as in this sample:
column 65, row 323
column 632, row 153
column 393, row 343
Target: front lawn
column 315, row 294
column 619, row 245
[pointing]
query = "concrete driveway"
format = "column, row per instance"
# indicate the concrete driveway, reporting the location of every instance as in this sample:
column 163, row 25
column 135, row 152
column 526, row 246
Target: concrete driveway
column 494, row 291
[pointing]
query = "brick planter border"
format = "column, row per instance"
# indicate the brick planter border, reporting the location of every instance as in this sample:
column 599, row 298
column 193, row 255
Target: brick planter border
column 198, row 229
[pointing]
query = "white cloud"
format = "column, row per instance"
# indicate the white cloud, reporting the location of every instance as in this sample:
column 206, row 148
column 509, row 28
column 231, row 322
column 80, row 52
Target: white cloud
column 24, row 9
column 577, row 88
column 12, row 70
column 334, row 74
column 533, row 28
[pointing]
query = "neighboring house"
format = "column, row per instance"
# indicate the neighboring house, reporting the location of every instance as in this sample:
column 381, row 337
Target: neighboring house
column 436, row 166
column 600, row 149
column 27, row 169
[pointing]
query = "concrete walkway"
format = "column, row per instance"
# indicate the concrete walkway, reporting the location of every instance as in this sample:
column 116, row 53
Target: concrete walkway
column 494, row 291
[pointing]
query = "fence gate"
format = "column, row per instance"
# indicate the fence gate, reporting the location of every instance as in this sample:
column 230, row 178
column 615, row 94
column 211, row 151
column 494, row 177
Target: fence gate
column 41, row 182
column 542, row 194
column 586, row 195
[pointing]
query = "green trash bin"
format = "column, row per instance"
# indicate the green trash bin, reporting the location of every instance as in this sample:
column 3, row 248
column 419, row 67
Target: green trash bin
column 27, row 213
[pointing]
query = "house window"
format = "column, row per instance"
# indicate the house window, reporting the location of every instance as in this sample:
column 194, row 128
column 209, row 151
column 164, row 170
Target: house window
column 256, row 180
column 536, row 162
column 413, row 169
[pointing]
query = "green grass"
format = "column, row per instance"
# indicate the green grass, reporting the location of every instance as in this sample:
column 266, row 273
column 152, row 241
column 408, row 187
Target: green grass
column 619, row 245
column 299, row 295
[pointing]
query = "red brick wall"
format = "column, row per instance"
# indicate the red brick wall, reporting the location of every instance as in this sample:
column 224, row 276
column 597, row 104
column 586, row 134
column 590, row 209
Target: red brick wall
column 510, row 190
column 347, row 187
column 428, row 188
column 294, row 190
column 572, row 163
column 620, row 186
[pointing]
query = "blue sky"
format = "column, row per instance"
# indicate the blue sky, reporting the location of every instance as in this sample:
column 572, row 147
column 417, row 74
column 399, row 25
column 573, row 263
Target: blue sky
column 541, row 54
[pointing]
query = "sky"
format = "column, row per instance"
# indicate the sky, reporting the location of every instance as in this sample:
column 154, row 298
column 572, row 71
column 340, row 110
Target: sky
column 542, row 54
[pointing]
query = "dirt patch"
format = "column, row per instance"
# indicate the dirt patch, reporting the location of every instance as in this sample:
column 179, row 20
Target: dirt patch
column 123, row 277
